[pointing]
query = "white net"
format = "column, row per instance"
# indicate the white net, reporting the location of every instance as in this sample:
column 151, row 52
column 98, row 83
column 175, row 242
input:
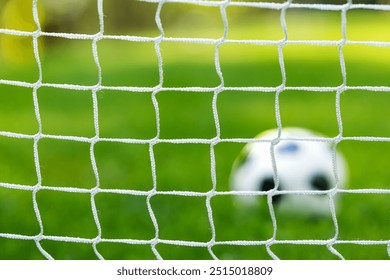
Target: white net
column 158, row 148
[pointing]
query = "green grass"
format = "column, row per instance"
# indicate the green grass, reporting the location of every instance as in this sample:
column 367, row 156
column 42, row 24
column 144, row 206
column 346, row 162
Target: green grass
column 185, row 167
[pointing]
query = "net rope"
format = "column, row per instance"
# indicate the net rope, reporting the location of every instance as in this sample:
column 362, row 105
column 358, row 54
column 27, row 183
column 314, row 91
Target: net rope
column 95, row 38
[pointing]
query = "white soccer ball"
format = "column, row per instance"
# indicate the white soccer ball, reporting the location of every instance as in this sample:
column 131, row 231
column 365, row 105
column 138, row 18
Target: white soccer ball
column 388, row 250
column 304, row 164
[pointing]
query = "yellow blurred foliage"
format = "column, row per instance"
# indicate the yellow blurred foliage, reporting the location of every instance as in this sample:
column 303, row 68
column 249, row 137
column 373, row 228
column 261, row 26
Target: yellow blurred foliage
column 18, row 15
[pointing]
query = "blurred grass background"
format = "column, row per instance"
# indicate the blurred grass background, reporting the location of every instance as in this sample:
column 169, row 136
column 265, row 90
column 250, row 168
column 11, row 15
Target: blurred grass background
column 242, row 114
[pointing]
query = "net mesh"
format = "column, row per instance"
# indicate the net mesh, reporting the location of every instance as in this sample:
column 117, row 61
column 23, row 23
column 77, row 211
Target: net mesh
column 343, row 9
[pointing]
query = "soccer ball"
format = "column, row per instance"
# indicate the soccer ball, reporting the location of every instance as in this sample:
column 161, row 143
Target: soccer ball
column 304, row 165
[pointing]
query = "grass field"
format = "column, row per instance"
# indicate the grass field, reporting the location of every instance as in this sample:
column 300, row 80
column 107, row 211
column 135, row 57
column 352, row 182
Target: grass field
column 186, row 167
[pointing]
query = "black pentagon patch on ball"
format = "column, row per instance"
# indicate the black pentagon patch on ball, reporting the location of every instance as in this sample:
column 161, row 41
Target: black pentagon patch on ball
column 268, row 184
column 320, row 182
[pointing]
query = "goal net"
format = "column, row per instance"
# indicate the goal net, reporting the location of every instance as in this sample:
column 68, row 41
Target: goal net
column 121, row 121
